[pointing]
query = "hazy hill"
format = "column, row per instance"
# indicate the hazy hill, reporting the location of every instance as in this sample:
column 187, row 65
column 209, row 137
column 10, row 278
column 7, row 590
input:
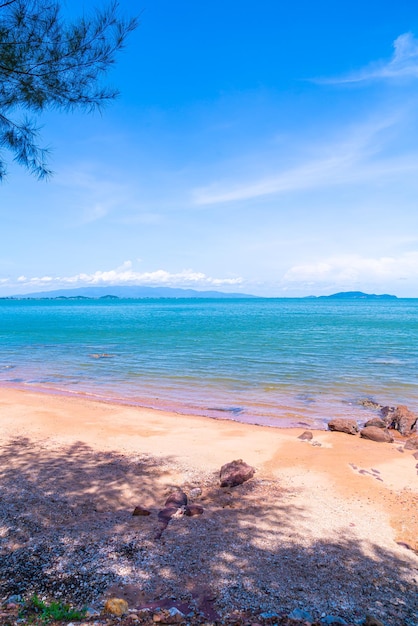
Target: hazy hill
column 359, row 295
column 119, row 291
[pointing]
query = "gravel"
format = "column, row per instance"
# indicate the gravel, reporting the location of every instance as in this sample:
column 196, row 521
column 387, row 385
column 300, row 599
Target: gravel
column 67, row 531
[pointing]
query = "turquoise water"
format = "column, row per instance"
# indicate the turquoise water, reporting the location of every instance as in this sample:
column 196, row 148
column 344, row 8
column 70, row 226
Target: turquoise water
column 272, row 361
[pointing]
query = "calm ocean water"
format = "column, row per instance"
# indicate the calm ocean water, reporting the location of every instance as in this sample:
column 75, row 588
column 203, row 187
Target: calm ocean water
column 280, row 362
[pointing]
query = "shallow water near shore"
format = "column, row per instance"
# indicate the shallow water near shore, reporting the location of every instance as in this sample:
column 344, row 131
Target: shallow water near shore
column 277, row 362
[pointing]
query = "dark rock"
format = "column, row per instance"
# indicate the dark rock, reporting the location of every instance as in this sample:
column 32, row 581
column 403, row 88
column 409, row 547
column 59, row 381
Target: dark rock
column 176, row 499
column 235, row 473
column 138, row 510
column 386, row 411
column 332, row 619
column 372, row 621
column 371, row 404
column 343, row 426
column 376, row 421
column 402, row 419
column 193, row 509
column 166, row 514
column 412, row 443
column 306, row 436
column 415, row 455
column 376, row 434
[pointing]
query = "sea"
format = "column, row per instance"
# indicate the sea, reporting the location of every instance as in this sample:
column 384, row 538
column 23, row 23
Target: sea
column 277, row 362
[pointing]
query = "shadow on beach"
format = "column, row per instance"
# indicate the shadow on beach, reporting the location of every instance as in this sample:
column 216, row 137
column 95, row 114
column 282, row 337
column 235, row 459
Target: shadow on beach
column 67, row 531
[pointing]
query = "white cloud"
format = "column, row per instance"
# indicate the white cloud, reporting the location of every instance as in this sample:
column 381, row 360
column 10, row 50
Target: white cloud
column 403, row 64
column 355, row 270
column 352, row 160
column 125, row 275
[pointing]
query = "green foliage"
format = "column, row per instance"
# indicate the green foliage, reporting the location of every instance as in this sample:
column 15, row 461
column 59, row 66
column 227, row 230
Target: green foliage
column 48, row 63
column 39, row 611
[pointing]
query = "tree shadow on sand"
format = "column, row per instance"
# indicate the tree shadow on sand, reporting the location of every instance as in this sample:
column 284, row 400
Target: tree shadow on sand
column 67, row 530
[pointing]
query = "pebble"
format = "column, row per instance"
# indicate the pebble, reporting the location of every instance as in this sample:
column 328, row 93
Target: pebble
column 300, row 614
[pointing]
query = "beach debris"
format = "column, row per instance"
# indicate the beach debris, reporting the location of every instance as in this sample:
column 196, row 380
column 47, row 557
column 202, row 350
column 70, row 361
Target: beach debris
column 412, row 443
column 306, row 436
column 378, row 422
column 235, row 473
column 376, row 434
column 342, row 425
column 402, row 419
column 116, row 606
column 139, row 511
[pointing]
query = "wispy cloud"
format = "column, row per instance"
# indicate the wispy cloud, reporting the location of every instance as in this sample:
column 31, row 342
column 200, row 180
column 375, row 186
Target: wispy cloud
column 403, row 64
column 352, row 160
column 95, row 193
column 355, row 270
column 126, row 275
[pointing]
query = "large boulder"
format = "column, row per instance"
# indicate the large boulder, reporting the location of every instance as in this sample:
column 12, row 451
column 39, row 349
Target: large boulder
column 376, row 434
column 235, row 473
column 402, row 419
column 342, row 425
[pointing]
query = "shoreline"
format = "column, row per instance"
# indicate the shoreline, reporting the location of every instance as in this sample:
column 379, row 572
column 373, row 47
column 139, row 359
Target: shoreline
column 336, row 494
column 291, row 413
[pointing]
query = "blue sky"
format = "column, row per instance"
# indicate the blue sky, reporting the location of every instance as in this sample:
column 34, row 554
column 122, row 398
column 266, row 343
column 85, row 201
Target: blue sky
column 268, row 148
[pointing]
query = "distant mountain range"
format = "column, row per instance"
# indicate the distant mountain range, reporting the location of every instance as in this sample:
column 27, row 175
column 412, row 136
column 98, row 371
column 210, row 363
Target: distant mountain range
column 118, row 291
column 357, row 295
column 123, row 291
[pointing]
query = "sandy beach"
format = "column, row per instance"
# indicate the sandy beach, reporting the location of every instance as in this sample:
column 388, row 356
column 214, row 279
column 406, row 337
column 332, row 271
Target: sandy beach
column 329, row 525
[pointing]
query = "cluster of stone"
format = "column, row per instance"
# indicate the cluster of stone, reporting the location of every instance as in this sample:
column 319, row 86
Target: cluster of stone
column 399, row 419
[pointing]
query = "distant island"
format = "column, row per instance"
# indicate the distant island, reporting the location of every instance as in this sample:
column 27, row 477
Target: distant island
column 357, row 295
column 125, row 291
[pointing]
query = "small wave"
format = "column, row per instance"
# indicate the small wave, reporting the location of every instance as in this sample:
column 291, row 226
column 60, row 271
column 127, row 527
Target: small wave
column 383, row 361
column 236, row 410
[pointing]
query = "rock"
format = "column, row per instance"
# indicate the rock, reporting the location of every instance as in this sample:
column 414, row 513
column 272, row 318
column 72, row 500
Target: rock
column 371, row 404
column 306, row 436
column 376, row 421
column 138, row 510
column 332, row 619
column 235, row 473
column 376, row 434
column 402, row 419
column 166, row 514
column 176, row 499
column 193, row 509
column 386, row 411
column 341, row 425
column 168, row 616
column 195, row 493
column 415, row 455
column 299, row 614
column 372, row 621
column 412, row 443
column 269, row 615
column 116, row 606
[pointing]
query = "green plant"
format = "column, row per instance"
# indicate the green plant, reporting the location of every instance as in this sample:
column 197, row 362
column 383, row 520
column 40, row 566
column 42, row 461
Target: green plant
column 54, row 611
